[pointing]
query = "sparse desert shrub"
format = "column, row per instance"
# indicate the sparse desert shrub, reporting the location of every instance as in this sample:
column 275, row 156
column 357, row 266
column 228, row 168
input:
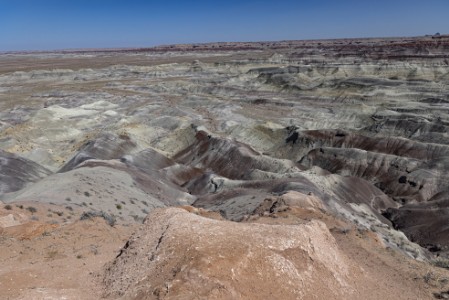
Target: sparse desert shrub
column 94, row 249
column 342, row 230
column 31, row 209
column 441, row 262
column 8, row 207
column 429, row 276
column 19, row 206
column 52, row 254
column 441, row 295
column 87, row 194
column 118, row 206
column 93, row 214
column 137, row 218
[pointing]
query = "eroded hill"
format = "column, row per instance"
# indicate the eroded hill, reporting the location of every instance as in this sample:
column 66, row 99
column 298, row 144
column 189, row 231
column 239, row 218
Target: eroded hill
column 342, row 141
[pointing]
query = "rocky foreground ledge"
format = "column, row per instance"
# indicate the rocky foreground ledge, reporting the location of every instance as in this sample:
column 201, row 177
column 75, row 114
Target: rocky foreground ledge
column 304, row 169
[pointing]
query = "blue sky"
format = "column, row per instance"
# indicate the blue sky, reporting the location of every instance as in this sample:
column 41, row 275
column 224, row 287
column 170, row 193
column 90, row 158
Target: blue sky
column 68, row 24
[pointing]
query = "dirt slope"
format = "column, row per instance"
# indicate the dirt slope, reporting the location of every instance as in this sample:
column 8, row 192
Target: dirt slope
column 181, row 255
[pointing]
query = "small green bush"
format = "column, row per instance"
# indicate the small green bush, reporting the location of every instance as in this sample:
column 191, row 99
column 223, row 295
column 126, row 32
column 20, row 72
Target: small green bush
column 31, row 209
column 93, row 214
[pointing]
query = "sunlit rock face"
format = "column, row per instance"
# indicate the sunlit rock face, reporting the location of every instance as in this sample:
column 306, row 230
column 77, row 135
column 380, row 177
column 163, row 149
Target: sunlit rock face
column 221, row 259
column 357, row 128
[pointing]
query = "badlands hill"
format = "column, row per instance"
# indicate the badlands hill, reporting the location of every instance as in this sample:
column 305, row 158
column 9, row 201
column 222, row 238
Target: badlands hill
column 282, row 170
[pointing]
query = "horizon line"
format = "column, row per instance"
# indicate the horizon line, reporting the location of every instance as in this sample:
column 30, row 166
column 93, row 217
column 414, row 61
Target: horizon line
column 131, row 48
